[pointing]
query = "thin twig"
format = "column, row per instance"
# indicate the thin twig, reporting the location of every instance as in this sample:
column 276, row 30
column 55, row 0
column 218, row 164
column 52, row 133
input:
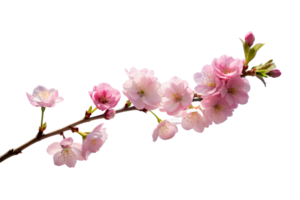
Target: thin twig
column 39, row 137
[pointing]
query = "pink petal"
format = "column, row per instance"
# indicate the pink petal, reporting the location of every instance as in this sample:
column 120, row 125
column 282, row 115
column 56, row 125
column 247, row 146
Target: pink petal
column 171, row 106
column 155, row 134
column 77, row 152
column 187, row 97
column 98, row 128
column 58, row 160
column 67, row 141
column 53, row 148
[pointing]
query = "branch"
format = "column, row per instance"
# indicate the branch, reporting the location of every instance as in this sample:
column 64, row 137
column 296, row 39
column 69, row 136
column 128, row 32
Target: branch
column 40, row 136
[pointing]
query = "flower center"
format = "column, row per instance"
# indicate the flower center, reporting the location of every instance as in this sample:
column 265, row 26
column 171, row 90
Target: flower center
column 44, row 95
column 164, row 129
column 232, row 91
column 103, row 99
column 225, row 71
column 192, row 117
column 94, row 141
column 67, row 154
column 141, row 93
column 211, row 84
column 176, row 97
column 218, row 108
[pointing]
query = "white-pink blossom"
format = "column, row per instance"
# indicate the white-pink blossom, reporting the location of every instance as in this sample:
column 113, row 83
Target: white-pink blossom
column 94, row 141
column 177, row 96
column 165, row 130
column 208, row 82
column 235, row 90
column 104, row 96
column 143, row 91
column 42, row 97
column 133, row 71
column 217, row 109
column 195, row 119
column 227, row 67
column 65, row 152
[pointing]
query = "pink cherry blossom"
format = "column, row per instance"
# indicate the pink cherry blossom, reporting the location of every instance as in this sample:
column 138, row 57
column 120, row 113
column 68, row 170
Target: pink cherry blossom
column 94, row 141
column 133, row 71
column 226, row 67
column 177, row 95
column 104, row 96
column 208, row 82
column 216, row 108
column 42, row 97
column 235, row 90
column 249, row 38
column 165, row 130
column 143, row 91
column 195, row 119
column 65, row 152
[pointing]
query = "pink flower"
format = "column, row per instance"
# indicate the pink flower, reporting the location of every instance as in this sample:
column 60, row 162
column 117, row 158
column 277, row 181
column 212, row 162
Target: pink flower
column 195, row 119
column 143, row 91
column 274, row 73
column 217, row 109
column 177, row 96
column 93, row 141
column 235, row 90
column 208, row 82
column 165, row 130
column 104, row 96
column 133, row 71
column 65, row 152
column 227, row 67
column 42, row 97
column 249, row 38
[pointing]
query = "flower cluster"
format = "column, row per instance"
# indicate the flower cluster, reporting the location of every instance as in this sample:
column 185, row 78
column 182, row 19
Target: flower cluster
column 67, row 152
column 221, row 87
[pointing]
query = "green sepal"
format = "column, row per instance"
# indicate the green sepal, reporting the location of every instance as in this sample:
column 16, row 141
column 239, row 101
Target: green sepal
column 265, row 68
column 83, row 137
column 90, row 109
column 44, row 125
column 261, row 74
column 128, row 102
column 256, row 66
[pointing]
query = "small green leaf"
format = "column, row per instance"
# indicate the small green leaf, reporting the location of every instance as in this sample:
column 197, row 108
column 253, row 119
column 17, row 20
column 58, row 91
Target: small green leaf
column 44, row 125
column 246, row 49
column 262, row 80
column 252, row 52
column 261, row 74
column 90, row 109
column 250, row 55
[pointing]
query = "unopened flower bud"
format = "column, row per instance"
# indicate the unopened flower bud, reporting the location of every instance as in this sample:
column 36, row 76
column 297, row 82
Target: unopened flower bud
column 274, row 73
column 127, row 104
column 249, row 38
column 87, row 115
column 109, row 114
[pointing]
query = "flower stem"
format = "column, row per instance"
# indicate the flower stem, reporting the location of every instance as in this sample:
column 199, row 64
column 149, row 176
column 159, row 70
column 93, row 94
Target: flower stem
column 94, row 110
column 156, row 116
column 43, row 110
column 82, row 134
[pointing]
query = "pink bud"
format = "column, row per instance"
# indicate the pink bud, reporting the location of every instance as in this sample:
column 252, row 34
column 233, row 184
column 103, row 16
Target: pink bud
column 109, row 114
column 249, row 38
column 274, row 73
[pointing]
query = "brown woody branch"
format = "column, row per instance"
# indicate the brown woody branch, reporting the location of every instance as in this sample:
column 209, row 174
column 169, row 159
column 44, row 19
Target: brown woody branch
column 40, row 136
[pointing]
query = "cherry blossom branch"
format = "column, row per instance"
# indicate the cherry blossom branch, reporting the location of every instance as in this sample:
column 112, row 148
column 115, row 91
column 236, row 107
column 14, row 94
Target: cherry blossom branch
column 40, row 136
